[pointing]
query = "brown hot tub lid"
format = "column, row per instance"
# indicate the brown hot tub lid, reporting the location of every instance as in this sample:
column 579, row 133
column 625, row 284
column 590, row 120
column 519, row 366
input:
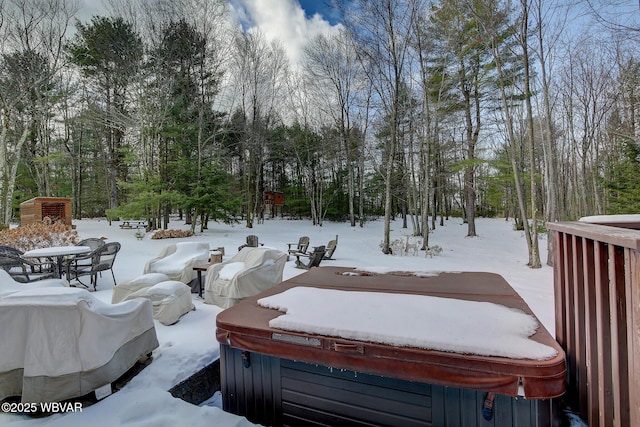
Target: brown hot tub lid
column 246, row 326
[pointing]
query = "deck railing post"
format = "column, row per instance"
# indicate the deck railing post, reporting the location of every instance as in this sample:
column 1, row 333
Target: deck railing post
column 597, row 306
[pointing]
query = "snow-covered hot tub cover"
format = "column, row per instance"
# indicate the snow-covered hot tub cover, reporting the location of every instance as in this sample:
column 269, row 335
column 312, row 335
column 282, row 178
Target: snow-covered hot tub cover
column 528, row 361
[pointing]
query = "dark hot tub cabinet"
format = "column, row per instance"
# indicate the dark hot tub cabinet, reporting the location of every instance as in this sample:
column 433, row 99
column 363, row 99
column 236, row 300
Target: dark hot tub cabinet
column 281, row 378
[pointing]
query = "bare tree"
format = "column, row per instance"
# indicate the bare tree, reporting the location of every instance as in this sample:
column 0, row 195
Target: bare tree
column 259, row 70
column 587, row 90
column 382, row 32
column 32, row 34
column 333, row 68
column 550, row 20
column 534, row 251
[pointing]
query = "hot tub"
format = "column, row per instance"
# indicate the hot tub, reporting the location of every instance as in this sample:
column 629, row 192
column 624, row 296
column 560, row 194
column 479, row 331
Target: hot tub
column 277, row 377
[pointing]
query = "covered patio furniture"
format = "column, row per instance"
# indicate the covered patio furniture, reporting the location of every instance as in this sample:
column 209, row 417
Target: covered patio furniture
column 177, row 260
column 249, row 272
column 124, row 289
column 64, row 343
column 94, row 263
column 9, row 286
column 171, row 300
column 298, row 248
column 26, row 270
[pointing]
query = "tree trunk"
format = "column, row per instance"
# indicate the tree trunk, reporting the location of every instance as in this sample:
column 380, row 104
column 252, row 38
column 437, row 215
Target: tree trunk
column 534, row 253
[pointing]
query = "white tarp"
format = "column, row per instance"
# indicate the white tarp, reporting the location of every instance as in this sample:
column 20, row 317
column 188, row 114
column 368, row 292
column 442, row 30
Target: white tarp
column 177, row 260
column 64, row 342
column 249, row 272
column 126, row 288
column 171, row 300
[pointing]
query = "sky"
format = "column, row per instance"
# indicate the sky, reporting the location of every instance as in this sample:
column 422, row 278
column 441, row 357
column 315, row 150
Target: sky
column 289, row 21
column 293, row 22
column 190, row 344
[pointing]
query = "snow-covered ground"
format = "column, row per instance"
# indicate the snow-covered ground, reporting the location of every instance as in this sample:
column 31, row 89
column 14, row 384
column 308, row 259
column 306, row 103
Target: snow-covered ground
column 190, row 345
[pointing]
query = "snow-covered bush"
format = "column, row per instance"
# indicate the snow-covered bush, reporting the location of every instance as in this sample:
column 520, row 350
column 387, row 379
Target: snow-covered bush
column 39, row 235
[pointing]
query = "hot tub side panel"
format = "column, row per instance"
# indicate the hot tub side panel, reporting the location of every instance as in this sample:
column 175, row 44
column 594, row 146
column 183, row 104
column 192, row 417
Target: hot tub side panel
column 280, row 392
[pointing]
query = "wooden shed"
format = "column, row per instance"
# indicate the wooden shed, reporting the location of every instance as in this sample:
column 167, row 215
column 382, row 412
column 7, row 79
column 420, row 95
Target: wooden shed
column 273, row 198
column 56, row 208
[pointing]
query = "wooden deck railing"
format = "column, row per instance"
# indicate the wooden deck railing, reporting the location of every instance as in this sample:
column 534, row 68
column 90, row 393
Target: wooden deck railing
column 597, row 304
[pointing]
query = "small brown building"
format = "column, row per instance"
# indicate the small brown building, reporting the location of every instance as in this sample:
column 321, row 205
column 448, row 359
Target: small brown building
column 273, row 198
column 56, row 208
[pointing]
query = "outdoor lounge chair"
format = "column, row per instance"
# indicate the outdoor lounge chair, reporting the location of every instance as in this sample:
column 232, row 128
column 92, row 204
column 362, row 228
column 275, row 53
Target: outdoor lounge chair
column 251, row 242
column 331, row 248
column 177, row 260
column 300, row 247
column 249, row 272
column 171, row 300
column 315, row 258
column 126, row 288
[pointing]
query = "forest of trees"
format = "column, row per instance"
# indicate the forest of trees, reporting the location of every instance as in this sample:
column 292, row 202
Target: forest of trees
column 419, row 109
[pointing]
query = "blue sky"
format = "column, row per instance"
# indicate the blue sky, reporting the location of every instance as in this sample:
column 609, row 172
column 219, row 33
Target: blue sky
column 287, row 21
column 293, row 22
column 321, row 7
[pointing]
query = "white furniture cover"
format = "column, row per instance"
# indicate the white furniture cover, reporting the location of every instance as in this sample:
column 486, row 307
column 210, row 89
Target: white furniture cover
column 9, row 286
column 61, row 343
column 124, row 289
column 249, row 272
column 177, row 260
column 171, row 299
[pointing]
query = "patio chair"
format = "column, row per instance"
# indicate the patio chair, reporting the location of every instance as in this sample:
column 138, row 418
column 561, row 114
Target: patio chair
column 101, row 259
column 93, row 242
column 8, row 285
column 251, row 242
column 25, row 270
column 177, row 260
column 10, row 250
column 331, row 248
column 249, row 272
column 126, row 288
column 315, row 258
column 300, row 247
column 171, row 300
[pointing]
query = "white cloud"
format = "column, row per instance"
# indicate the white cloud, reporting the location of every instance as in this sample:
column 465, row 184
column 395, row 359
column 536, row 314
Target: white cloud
column 91, row 8
column 283, row 20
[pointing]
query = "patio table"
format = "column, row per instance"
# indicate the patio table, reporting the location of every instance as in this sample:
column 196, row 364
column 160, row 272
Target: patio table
column 59, row 252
